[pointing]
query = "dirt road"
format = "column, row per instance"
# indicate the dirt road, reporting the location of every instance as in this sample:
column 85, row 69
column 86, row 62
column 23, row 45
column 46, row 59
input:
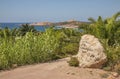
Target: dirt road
column 54, row 70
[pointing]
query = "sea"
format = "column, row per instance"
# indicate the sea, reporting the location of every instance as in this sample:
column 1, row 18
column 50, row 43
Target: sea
column 38, row 28
column 18, row 25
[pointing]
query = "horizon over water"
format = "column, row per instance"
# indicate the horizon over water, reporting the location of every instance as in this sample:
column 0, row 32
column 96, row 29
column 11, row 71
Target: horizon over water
column 18, row 25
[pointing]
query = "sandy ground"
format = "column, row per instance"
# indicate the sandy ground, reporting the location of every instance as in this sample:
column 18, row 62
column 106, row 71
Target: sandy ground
column 55, row 70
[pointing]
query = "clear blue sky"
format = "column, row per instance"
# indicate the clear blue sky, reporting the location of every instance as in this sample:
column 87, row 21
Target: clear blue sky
column 55, row 10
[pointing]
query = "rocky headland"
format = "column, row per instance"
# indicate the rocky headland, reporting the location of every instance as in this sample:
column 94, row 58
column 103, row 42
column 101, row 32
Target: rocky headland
column 65, row 24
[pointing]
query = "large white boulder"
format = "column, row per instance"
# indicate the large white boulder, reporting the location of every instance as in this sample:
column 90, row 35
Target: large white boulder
column 91, row 52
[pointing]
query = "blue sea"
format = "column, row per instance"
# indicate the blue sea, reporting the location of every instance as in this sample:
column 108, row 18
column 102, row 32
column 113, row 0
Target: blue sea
column 18, row 25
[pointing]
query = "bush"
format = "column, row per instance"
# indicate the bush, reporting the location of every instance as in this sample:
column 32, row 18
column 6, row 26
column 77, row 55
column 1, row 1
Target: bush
column 112, row 52
column 113, row 56
column 70, row 48
column 30, row 48
column 73, row 62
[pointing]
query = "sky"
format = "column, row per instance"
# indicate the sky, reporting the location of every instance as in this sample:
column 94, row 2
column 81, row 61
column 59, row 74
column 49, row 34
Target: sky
column 56, row 10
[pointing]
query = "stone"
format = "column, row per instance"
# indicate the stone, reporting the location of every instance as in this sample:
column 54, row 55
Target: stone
column 115, row 74
column 91, row 52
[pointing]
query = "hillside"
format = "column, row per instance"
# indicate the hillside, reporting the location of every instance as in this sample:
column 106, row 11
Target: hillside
column 67, row 24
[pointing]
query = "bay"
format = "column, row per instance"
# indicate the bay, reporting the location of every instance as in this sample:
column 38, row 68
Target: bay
column 18, row 25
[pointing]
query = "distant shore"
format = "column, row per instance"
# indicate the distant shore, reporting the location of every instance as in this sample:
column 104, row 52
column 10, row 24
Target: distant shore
column 41, row 24
column 65, row 24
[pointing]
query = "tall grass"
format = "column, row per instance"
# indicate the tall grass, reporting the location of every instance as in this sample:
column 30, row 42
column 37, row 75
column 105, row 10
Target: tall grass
column 31, row 48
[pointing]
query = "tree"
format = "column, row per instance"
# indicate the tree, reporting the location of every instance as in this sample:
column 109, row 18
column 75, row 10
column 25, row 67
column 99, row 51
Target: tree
column 108, row 28
column 112, row 28
column 26, row 28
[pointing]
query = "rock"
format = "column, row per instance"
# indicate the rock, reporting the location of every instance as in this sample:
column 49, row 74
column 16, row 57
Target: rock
column 115, row 74
column 91, row 52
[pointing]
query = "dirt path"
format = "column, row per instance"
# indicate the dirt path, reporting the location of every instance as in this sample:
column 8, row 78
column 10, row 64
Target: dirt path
column 54, row 70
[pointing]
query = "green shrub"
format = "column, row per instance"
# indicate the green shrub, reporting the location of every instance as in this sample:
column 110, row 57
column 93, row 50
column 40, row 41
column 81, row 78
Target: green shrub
column 113, row 56
column 73, row 62
column 70, row 48
column 108, row 28
column 30, row 48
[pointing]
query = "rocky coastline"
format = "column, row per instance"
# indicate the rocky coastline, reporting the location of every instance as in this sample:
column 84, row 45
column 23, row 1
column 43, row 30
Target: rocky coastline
column 65, row 24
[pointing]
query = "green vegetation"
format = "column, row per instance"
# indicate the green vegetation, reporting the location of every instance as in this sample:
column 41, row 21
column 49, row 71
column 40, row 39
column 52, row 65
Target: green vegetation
column 73, row 62
column 108, row 29
column 26, row 28
column 25, row 46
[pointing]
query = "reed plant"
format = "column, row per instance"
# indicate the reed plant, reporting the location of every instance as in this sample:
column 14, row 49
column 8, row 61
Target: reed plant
column 31, row 48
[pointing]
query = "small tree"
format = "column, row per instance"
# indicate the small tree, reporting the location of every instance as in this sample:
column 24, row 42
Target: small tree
column 26, row 28
column 108, row 29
